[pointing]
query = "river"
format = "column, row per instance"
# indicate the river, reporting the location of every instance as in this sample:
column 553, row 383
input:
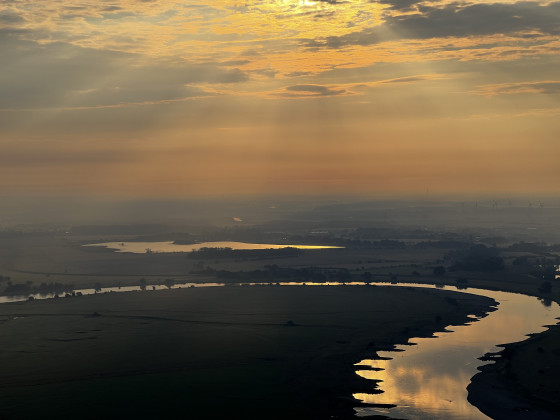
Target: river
column 427, row 380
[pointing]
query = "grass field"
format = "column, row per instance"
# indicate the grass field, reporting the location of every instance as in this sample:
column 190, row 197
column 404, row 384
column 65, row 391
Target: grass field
column 232, row 352
column 531, row 371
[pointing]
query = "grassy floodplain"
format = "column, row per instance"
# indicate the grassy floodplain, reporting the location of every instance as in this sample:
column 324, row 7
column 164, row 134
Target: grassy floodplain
column 231, row 352
column 529, row 374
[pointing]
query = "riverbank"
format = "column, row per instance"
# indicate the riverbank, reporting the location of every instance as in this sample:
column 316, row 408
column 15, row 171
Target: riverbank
column 232, row 352
column 523, row 382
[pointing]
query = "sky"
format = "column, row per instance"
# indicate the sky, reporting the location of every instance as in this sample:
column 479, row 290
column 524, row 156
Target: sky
column 175, row 99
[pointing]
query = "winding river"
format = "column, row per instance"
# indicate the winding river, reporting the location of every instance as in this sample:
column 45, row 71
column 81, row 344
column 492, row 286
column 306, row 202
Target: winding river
column 427, row 380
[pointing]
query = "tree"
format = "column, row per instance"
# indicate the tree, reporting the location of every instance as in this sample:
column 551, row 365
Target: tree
column 439, row 270
column 545, row 287
column 477, row 258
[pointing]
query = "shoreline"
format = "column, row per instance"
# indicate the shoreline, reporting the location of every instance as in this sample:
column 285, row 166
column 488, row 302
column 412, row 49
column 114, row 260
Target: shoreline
column 502, row 390
column 342, row 406
column 493, row 391
column 306, row 367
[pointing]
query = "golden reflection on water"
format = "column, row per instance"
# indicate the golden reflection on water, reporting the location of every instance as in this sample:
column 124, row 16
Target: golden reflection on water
column 429, row 381
column 420, row 388
column 170, row 246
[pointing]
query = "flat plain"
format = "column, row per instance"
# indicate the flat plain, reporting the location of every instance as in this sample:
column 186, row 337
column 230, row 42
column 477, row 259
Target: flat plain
column 229, row 352
column 235, row 352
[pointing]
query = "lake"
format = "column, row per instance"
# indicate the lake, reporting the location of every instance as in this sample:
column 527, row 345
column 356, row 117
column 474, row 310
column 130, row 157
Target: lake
column 170, row 246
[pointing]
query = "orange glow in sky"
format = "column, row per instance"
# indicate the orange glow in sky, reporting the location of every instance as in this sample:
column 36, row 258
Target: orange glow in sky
column 168, row 98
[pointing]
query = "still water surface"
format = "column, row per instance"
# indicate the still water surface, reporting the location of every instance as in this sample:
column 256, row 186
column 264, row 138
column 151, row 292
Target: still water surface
column 169, row 246
column 427, row 380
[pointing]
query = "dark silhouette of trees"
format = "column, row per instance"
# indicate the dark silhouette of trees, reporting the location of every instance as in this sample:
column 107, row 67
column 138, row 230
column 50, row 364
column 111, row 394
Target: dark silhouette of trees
column 218, row 253
column 439, row 270
column 545, row 269
column 477, row 258
column 545, row 287
column 18, row 289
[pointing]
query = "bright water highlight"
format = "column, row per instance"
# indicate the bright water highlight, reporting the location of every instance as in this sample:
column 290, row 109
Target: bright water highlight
column 427, row 380
column 169, row 246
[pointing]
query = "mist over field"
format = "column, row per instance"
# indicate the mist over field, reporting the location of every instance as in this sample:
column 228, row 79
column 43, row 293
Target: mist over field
column 528, row 217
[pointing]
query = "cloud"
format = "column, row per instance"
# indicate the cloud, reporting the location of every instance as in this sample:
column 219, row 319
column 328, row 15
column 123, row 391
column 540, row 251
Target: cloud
column 9, row 18
column 60, row 156
column 455, row 20
column 411, row 79
column 542, row 87
column 401, row 5
column 61, row 75
column 230, row 63
column 298, row 73
column 268, row 72
column 313, row 90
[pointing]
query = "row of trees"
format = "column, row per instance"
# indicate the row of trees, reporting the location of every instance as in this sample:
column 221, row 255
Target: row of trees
column 27, row 288
column 273, row 273
column 217, row 253
column 476, row 258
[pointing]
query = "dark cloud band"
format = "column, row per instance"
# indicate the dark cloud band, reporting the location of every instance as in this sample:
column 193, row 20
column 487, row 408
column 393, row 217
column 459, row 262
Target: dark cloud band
column 454, row 20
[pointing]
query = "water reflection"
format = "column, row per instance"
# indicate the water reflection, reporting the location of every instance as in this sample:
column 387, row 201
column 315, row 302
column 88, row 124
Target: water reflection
column 118, row 289
column 415, row 389
column 429, row 381
column 152, row 287
column 169, row 246
column 546, row 302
